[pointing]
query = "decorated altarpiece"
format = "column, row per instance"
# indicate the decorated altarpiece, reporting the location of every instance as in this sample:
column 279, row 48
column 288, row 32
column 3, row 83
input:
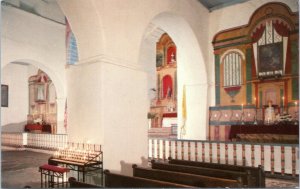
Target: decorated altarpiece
column 42, row 103
column 163, row 110
column 256, row 65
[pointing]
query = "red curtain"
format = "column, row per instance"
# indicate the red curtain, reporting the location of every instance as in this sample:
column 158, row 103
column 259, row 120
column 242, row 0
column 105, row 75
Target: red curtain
column 281, row 28
column 256, row 35
column 167, row 86
column 171, row 50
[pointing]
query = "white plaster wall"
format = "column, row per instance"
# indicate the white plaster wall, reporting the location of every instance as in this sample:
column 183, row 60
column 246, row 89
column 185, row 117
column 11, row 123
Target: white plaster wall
column 124, row 117
column 229, row 17
column 14, row 117
column 84, row 108
column 31, row 39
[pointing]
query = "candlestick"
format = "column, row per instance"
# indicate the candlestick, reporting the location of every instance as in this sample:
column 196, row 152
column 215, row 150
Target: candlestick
column 283, row 105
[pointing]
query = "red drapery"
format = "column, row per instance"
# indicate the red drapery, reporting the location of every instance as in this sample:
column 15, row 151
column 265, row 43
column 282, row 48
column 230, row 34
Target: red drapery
column 167, row 86
column 256, row 35
column 171, row 50
column 281, row 28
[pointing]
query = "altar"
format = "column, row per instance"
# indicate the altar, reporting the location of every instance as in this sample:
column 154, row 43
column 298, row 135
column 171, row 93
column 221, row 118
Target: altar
column 286, row 130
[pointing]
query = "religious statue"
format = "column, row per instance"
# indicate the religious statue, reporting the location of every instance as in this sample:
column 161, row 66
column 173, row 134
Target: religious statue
column 40, row 93
column 269, row 113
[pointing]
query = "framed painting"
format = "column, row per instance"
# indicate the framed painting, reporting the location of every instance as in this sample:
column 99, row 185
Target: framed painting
column 4, row 95
column 270, row 57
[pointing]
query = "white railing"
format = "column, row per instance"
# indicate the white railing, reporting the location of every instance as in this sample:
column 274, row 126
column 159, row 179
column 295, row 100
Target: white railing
column 276, row 158
column 34, row 140
column 12, row 139
column 46, row 141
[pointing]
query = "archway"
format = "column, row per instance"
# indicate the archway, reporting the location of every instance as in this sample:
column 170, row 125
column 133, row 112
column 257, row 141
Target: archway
column 191, row 73
column 25, row 68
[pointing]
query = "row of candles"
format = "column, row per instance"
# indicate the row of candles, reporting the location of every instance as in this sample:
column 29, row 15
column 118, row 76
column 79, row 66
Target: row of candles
column 75, row 154
column 296, row 103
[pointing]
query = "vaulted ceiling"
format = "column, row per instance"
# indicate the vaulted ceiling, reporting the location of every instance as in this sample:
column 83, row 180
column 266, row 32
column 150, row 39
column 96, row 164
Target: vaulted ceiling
column 50, row 9
column 212, row 5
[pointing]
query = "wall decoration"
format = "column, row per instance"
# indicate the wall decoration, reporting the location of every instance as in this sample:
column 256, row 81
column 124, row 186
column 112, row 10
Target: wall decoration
column 4, row 95
column 256, row 63
column 270, row 58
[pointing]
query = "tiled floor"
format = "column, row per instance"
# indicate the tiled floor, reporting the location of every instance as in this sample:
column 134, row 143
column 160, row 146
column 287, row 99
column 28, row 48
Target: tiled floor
column 20, row 169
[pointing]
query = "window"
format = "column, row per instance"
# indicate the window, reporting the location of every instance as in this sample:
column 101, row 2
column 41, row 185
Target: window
column 232, row 69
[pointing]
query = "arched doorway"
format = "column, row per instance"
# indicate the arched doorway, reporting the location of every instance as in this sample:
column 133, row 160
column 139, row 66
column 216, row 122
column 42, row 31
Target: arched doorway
column 191, row 71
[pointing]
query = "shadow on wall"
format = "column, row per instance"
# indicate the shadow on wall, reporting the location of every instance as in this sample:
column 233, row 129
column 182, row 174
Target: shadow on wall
column 14, row 127
column 126, row 168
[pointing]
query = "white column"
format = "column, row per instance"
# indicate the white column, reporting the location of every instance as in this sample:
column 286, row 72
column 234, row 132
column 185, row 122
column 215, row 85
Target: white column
column 60, row 115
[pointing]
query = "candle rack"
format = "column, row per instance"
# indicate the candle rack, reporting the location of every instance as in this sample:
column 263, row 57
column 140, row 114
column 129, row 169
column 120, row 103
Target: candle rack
column 81, row 160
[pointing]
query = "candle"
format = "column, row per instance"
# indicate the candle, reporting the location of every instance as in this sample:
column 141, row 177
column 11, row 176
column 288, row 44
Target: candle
column 296, row 103
column 242, row 107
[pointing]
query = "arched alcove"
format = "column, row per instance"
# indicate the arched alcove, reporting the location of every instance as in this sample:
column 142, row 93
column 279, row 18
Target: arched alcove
column 26, row 73
column 192, row 71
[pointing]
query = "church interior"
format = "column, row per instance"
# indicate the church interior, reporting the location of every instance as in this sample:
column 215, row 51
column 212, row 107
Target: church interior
column 152, row 93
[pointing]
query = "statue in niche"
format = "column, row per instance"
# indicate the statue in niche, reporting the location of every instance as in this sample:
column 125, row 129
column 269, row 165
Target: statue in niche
column 40, row 93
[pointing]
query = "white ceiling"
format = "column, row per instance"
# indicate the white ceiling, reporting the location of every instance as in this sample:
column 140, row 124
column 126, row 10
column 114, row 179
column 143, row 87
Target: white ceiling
column 45, row 8
column 51, row 10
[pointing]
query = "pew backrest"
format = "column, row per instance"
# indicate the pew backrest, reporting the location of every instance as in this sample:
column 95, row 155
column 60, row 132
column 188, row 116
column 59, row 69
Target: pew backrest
column 184, row 178
column 243, row 177
column 257, row 173
column 113, row 180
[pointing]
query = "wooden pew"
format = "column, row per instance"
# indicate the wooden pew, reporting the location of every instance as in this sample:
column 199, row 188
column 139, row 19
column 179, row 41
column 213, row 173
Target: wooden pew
column 113, row 180
column 257, row 173
column 243, row 177
column 76, row 184
column 184, row 178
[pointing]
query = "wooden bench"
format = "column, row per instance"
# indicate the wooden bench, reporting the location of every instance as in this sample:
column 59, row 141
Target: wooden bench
column 243, row 177
column 76, row 184
column 184, row 178
column 113, row 180
column 257, row 173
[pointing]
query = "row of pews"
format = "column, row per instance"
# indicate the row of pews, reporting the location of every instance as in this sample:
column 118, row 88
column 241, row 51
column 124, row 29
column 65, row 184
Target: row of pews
column 186, row 174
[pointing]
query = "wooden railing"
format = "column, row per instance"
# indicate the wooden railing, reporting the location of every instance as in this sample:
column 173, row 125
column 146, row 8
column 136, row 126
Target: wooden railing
column 276, row 158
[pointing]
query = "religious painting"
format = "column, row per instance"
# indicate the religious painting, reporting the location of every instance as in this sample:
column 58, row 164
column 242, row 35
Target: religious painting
column 270, row 57
column 4, row 95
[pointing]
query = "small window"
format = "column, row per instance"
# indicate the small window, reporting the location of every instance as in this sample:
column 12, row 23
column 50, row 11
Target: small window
column 232, row 69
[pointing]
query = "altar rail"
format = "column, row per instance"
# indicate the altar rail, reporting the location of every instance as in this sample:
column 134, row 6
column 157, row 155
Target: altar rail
column 12, row 139
column 34, row 140
column 46, row 141
column 276, row 158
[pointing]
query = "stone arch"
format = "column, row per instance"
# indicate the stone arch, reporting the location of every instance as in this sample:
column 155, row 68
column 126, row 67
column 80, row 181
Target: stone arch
column 54, row 77
column 192, row 71
column 60, row 89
